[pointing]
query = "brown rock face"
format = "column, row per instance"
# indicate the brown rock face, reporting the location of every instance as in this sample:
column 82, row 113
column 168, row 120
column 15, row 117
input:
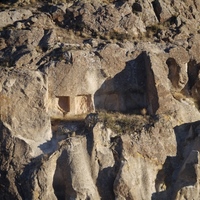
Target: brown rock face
column 99, row 100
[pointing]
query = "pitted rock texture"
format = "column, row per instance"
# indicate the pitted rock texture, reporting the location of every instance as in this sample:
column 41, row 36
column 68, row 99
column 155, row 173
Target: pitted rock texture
column 99, row 99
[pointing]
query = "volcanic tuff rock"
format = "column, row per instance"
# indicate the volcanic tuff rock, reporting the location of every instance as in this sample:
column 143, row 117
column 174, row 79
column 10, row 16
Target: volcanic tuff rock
column 99, row 99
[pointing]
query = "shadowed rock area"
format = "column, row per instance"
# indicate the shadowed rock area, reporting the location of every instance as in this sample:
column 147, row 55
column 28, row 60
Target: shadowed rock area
column 99, row 100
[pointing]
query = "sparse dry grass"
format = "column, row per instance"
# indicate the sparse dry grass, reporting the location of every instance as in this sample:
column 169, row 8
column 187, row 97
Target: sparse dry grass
column 70, row 118
column 4, row 107
column 114, row 35
column 118, row 122
column 124, row 123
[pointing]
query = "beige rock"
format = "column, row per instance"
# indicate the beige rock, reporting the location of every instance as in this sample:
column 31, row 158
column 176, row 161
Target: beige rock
column 8, row 18
column 79, row 99
column 67, row 60
column 23, row 112
column 73, row 165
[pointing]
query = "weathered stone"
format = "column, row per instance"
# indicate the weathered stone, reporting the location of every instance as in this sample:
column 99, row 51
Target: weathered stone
column 9, row 17
column 61, row 61
column 24, row 111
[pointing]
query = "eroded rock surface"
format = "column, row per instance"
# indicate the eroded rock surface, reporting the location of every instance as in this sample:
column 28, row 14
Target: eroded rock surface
column 99, row 100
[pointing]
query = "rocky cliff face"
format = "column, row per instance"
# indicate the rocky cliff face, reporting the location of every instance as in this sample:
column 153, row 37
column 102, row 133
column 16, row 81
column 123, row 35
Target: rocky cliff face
column 99, row 100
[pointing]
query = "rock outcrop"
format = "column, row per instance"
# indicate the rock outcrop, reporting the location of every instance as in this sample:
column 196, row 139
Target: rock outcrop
column 99, row 100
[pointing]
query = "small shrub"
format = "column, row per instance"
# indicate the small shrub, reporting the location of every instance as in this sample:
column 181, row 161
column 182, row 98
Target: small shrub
column 153, row 30
column 115, row 35
column 122, row 123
